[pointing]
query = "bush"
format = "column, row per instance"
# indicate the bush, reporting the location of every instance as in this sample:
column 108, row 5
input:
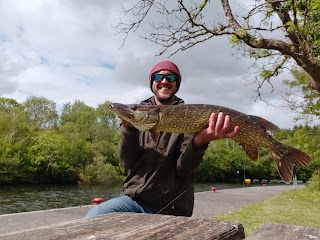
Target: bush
column 314, row 182
column 99, row 172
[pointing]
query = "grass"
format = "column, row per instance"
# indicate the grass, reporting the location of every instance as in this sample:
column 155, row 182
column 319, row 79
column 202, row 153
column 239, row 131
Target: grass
column 297, row 207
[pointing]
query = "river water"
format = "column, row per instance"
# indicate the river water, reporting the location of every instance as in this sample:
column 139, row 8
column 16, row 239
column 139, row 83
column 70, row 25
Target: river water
column 25, row 198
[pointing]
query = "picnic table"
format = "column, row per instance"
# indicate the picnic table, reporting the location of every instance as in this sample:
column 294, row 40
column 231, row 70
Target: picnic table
column 134, row 226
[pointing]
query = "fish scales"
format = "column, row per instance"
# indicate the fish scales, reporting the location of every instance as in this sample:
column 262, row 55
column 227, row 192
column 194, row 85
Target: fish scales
column 178, row 120
column 194, row 118
column 255, row 132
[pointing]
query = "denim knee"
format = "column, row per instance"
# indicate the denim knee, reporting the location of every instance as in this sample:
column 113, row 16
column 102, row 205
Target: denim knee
column 118, row 204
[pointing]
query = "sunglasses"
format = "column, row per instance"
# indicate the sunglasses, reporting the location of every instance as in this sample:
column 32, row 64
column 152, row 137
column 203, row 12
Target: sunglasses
column 159, row 77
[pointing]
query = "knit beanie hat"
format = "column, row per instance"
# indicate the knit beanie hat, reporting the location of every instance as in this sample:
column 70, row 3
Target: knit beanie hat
column 166, row 65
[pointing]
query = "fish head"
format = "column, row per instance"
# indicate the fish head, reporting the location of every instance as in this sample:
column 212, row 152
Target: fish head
column 140, row 116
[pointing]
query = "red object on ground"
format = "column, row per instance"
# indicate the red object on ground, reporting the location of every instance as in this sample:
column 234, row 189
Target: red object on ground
column 97, row 201
column 213, row 189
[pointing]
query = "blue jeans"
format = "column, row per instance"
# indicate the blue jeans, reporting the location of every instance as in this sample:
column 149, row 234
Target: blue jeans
column 118, row 204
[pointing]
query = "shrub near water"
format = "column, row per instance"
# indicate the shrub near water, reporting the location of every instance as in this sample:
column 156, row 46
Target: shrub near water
column 99, row 172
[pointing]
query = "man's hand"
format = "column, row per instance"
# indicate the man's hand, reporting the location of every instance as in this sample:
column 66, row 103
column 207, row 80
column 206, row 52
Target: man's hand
column 217, row 129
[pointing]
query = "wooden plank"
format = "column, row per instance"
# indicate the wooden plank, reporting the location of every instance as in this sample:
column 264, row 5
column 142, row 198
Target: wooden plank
column 279, row 231
column 134, row 226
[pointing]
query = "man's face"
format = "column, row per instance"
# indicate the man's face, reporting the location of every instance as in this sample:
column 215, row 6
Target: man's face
column 163, row 89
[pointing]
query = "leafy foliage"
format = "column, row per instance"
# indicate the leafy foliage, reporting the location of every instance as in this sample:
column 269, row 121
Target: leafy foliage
column 99, row 172
column 38, row 145
column 82, row 146
column 41, row 111
column 314, row 183
column 226, row 161
column 301, row 97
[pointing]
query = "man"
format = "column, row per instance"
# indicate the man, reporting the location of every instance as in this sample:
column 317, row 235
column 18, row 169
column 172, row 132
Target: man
column 161, row 174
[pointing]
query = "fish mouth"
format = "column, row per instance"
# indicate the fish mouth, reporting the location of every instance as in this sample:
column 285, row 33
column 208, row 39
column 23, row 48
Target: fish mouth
column 122, row 110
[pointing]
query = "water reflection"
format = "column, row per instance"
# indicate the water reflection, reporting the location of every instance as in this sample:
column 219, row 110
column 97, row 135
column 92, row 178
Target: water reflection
column 25, row 198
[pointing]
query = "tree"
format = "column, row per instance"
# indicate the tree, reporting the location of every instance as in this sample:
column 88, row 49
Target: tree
column 80, row 118
column 34, row 148
column 15, row 132
column 53, row 158
column 278, row 31
column 300, row 98
column 41, row 111
column 9, row 105
column 106, row 138
column 106, row 117
column 225, row 161
column 98, row 128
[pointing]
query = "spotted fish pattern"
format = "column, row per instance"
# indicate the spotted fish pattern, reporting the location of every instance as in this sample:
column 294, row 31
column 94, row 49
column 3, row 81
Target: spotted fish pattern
column 255, row 132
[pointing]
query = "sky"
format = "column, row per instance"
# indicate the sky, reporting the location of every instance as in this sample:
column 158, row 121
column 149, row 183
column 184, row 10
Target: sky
column 67, row 50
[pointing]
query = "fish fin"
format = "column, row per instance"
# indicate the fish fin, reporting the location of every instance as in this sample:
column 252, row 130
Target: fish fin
column 285, row 164
column 155, row 135
column 269, row 127
column 252, row 152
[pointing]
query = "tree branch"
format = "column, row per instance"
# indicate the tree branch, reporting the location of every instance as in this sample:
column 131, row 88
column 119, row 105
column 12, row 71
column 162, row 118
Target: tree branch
column 184, row 25
column 253, row 41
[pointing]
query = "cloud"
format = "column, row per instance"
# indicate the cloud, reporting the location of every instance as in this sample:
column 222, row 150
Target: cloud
column 68, row 50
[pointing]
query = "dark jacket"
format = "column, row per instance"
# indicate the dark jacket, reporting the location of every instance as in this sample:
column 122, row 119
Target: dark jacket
column 160, row 174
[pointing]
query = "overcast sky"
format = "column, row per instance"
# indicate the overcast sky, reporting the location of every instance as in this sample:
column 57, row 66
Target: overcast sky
column 67, row 50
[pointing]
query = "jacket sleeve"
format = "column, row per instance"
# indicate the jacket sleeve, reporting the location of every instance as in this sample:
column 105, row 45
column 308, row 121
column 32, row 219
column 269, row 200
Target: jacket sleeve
column 129, row 147
column 189, row 159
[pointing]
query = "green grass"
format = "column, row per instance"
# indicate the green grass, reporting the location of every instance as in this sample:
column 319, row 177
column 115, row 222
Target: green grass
column 297, row 207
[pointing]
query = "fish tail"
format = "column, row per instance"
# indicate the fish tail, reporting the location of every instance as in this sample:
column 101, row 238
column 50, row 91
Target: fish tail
column 290, row 158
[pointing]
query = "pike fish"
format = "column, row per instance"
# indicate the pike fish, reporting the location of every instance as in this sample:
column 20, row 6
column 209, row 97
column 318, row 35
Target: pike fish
column 255, row 132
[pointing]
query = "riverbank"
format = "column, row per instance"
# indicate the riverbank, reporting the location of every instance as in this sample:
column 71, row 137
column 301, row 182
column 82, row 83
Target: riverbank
column 28, row 198
column 207, row 205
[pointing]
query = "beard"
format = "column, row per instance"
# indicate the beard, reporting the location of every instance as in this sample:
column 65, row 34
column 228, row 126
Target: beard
column 164, row 98
column 164, row 93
